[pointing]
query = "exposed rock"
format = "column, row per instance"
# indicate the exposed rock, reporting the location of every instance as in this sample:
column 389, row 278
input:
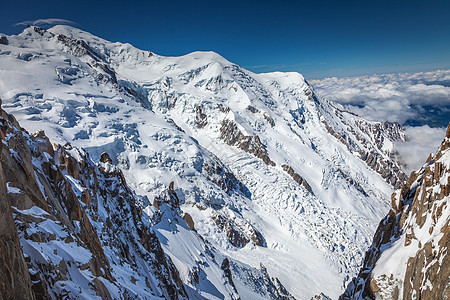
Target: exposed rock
column 222, row 108
column 66, row 192
column 79, row 47
column 238, row 235
column 353, row 182
column 321, row 296
column 420, row 216
column 171, row 121
column 234, row 235
column 386, row 168
column 297, row 178
column 100, row 289
column 253, row 109
column 373, row 136
column 269, row 120
column 230, row 133
column 4, row 40
column 200, row 117
column 333, row 133
column 105, row 158
column 187, row 217
column 39, row 30
column 15, row 282
column 219, row 174
column 380, row 131
column 227, row 272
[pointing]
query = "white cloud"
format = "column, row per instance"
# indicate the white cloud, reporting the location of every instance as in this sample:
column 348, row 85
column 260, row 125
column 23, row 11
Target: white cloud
column 43, row 22
column 426, row 88
column 422, row 140
column 409, row 99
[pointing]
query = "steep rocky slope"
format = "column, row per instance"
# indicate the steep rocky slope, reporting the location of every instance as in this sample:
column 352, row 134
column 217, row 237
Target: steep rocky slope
column 80, row 232
column 408, row 258
column 264, row 171
column 15, row 282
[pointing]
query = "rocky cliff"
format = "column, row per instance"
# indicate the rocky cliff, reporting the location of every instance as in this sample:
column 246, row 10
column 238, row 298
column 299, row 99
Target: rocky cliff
column 408, row 258
column 73, row 228
column 15, row 282
column 79, row 225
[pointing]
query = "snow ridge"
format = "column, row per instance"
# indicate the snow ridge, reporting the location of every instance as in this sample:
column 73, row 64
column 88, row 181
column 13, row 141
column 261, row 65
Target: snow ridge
column 292, row 181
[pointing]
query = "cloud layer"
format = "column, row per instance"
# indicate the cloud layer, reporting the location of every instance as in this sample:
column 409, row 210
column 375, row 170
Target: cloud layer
column 390, row 97
column 417, row 101
column 46, row 22
column 422, row 140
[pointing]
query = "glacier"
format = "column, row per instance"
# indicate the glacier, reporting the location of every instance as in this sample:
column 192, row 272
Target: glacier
column 274, row 178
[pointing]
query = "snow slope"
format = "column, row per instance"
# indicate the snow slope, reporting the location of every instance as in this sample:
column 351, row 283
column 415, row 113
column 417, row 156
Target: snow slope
column 269, row 173
column 84, row 234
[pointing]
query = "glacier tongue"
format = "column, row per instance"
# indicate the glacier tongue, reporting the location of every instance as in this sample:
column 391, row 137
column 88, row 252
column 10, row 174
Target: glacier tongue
column 269, row 173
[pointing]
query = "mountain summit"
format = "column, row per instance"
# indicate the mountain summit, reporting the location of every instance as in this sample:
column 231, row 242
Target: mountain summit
column 209, row 177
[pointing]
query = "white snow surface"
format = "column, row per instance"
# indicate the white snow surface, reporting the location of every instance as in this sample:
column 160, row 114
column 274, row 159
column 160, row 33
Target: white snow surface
column 313, row 242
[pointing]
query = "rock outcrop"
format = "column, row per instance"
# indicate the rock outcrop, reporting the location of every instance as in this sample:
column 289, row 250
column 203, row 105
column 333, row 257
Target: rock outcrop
column 297, row 178
column 78, row 223
column 408, row 258
column 231, row 134
column 15, row 282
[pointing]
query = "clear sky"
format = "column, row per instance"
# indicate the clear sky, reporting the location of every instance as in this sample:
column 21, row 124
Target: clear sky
column 316, row 38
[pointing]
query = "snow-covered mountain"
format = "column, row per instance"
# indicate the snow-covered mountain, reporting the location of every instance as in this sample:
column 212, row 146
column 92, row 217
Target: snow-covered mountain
column 408, row 258
column 84, row 233
column 265, row 173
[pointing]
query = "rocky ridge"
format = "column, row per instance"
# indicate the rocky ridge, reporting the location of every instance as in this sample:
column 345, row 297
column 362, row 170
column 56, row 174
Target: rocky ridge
column 408, row 258
column 73, row 228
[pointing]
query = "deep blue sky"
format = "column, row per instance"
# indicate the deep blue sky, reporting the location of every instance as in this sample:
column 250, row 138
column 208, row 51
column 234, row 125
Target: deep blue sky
column 316, row 38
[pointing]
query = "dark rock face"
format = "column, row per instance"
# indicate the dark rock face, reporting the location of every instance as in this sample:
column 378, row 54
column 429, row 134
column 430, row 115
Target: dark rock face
column 372, row 136
column 222, row 108
column 267, row 286
column 3, row 40
column 90, row 208
column 297, row 178
column 189, row 221
column 236, row 234
column 381, row 130
column 230, row 133
column 321, row 296
column 79, row 47
column 386, row 168
column 353, row 182
column 420, row 216
column 227, row 272
column 200, row 117
column 219, row 174
column 269, row 120
column 15, row 282
column 333, row 133
column 253, row 109
column 378, row 133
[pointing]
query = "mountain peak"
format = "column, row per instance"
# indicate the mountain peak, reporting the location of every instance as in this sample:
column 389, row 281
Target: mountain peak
column 250, row 160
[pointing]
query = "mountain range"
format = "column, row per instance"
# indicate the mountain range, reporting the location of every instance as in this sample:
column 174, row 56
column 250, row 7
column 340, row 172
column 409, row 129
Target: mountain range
column 188, row 177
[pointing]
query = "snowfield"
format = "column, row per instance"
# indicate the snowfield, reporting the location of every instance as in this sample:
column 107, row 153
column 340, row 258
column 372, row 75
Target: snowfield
column 277, row 180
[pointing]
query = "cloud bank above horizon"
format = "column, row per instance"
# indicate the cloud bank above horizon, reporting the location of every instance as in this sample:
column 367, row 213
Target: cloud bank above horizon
column 418, row 101
column 392, row 97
